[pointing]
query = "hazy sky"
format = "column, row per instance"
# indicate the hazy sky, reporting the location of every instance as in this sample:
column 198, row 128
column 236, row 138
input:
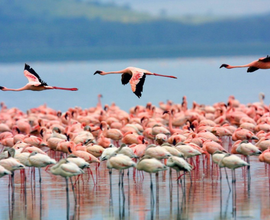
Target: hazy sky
column 199, row 7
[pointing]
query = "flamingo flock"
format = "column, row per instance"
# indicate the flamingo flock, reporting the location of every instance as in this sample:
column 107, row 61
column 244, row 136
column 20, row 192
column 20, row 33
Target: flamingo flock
column 148, row 139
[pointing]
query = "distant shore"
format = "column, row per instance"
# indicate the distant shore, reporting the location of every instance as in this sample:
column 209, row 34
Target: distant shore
column 112, row 53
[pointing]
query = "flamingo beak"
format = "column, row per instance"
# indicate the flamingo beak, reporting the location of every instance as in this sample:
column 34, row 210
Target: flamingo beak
column 224, row 65
column 97, row 72
column 254, row 138
column 1, row 87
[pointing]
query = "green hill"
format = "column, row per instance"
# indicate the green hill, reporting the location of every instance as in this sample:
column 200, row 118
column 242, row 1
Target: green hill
column 69, row 29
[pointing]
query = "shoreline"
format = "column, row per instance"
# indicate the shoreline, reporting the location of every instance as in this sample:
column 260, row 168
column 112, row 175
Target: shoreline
column 132, row 52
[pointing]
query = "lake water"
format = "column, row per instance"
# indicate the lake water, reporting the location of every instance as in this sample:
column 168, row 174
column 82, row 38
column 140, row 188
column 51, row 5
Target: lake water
column 199, row 79
column 205, row 197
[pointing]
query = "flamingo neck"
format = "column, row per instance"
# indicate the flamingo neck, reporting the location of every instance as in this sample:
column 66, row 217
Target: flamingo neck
column 113, row 72
column 240, row 66
column 19, row 89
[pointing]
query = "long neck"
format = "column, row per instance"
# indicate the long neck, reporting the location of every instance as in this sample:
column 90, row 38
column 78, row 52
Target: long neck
column 241, row 66
column 113, row 72
column 19, row 89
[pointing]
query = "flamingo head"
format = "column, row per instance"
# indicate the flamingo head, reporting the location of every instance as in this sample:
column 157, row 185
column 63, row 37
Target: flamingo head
column 98, row 72
column 2, row 88
column 224, row 65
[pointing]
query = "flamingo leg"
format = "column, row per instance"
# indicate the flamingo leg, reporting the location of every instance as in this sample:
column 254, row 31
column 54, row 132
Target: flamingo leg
column 74, row 193
column 156, row 74
column 70, row 89
column 227, row 178
column 67, row 197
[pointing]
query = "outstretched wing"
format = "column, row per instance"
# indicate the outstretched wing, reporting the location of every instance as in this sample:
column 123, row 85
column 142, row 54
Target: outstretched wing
column 125, row 78
column 33, row 77
column 252, row 69
column 136, row 82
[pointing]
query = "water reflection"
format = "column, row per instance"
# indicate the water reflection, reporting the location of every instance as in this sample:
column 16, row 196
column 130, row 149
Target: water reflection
column 201, row 195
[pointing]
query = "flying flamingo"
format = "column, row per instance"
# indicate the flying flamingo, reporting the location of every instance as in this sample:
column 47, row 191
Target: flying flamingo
column 35, row 82
column 135, row 76
column 261, row 63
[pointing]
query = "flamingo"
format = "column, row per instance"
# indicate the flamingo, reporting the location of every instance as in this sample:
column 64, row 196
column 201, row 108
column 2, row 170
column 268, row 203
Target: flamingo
column 119, row 162
column 150, row 165
column 247, row 149
column 80, row 162
column 135, row 76
column 261, row 63
column 108, row 152
column 11, row 164
column 35, row 83
column 233, row 162
column 157, row 152
column 40, row 160
column 67, row 169
column 217, row 156
column 4, row 171
column 178, row 164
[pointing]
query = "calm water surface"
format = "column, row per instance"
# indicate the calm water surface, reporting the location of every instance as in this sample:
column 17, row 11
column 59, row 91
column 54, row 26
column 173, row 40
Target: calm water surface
column 200, row 196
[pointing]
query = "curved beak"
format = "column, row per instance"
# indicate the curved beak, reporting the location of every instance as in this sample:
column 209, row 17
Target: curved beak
column 97, row 72
column 224, row 65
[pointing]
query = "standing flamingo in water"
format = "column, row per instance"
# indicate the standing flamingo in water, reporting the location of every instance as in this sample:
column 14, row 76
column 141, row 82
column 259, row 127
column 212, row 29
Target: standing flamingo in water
column 35, row 82
column 135, row 76
column 261, row 63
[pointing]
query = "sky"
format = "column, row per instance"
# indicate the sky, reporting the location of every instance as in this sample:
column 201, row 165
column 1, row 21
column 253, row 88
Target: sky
column 198, row 7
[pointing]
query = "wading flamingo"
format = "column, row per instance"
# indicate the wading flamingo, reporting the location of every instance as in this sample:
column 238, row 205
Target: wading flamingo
column 233, row 162
column 135, row 76
column 261, row 63
column 35, row 82
column 150, row 165
column 178, row 164
column 4, row 171
column 67, row 169
column 119, row 162
column 40, row 160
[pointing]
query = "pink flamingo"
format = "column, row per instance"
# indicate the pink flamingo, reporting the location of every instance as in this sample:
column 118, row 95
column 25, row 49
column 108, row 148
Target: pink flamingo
column 150, row 165
column 135, row 76
column 114, row 134
column 261, row 63
column 67, row 169
column 35, row 82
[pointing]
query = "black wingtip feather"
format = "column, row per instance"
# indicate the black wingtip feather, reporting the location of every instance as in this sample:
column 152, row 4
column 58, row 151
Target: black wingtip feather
column 125, row 78
column 32, row 71
column 139, row 87
column 252, row 69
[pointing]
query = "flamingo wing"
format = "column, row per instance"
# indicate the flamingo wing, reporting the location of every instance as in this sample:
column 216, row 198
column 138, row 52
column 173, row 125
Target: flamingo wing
column 33, row 77
column 125, row 78
column 136, row 82
column 252, row 69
